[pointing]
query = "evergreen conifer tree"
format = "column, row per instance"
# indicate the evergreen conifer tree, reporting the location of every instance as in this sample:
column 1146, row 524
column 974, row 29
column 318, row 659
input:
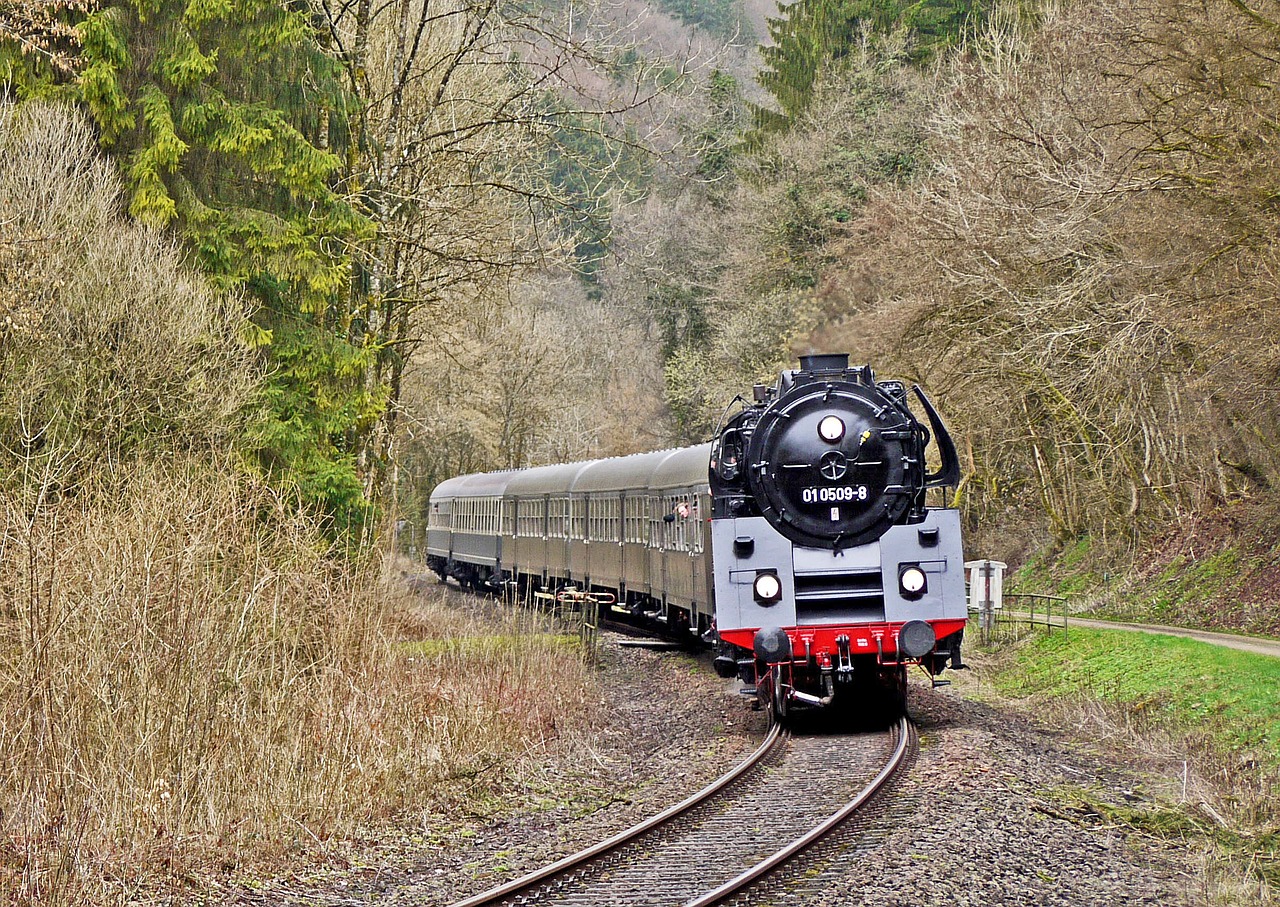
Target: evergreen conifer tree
column 812, row 33
column 223, row 116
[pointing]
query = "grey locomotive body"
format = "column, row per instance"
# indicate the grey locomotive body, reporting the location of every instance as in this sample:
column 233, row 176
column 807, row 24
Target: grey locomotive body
column 832, row 573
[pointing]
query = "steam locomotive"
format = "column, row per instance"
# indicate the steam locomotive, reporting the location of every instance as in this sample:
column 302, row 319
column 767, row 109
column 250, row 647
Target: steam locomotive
column 799, row 541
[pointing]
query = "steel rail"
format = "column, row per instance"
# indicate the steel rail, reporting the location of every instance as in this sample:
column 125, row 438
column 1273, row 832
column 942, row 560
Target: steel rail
column 496, row 895
column 795, row 847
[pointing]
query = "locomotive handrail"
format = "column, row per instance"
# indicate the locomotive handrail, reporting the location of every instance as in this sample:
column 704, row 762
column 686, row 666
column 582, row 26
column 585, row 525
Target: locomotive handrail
column 579, row 596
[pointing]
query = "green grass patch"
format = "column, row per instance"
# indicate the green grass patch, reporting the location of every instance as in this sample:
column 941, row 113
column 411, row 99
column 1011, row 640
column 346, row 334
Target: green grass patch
column 1259, row 852
column 1230, row 698
column 1182, row 583
column 1067, row 569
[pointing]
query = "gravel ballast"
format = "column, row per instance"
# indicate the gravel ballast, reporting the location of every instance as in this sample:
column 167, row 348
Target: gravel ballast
column 985, row 816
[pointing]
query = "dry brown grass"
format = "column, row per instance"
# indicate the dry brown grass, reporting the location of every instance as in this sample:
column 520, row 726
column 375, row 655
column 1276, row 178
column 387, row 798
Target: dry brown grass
column 188, row 684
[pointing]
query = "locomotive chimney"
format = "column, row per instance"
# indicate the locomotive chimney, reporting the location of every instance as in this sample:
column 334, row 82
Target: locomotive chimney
column 825, row 362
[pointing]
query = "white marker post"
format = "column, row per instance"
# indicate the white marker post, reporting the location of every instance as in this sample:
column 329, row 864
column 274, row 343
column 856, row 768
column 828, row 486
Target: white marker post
column 986, row 591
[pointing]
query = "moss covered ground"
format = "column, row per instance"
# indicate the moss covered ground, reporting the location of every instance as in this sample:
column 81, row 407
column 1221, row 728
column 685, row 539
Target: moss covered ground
column 1230, row 699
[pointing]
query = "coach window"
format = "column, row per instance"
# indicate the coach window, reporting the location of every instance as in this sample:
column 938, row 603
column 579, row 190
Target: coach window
column 577, row 528
column 695, row 525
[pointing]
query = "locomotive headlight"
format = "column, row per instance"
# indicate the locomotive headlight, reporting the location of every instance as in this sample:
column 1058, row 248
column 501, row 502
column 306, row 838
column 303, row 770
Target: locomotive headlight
column 767, row 588
column 831, row 429
column 911, row 581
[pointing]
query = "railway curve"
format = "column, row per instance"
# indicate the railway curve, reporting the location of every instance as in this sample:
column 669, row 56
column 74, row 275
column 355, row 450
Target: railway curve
column 790, row 793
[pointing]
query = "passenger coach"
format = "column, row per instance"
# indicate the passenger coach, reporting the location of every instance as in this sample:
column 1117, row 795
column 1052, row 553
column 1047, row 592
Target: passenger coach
column 636, row 527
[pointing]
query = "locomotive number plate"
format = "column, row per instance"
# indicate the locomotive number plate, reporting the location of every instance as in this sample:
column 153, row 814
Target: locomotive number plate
column 833, row 494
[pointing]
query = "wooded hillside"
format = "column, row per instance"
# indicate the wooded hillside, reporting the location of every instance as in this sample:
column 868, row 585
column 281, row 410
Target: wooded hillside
column 268, row 272
column 1062, row 227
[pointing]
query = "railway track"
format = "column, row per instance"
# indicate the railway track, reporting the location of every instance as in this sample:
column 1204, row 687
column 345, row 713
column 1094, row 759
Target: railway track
column 791, row 793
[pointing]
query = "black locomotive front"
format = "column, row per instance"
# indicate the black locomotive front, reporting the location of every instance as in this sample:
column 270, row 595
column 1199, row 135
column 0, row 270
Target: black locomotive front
column 830, row 457
column 828, row 561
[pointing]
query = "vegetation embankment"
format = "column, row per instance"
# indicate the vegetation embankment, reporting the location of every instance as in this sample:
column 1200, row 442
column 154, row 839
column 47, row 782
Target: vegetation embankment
column 1217, row 570
column 1203, row 718
column 218, row 255
column 196, row 677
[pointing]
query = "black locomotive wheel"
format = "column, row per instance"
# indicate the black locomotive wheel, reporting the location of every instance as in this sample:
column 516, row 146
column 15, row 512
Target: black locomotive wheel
column 778, row 696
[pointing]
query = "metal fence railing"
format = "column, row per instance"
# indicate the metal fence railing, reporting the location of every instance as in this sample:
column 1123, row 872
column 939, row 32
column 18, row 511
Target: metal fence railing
column 1048, row 611
column 1021, row 612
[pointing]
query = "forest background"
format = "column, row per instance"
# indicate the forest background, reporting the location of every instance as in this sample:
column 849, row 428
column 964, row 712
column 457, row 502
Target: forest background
column 272, row 270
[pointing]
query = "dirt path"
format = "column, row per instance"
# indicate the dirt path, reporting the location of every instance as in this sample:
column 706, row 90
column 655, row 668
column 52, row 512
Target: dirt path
column 1256, row 644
